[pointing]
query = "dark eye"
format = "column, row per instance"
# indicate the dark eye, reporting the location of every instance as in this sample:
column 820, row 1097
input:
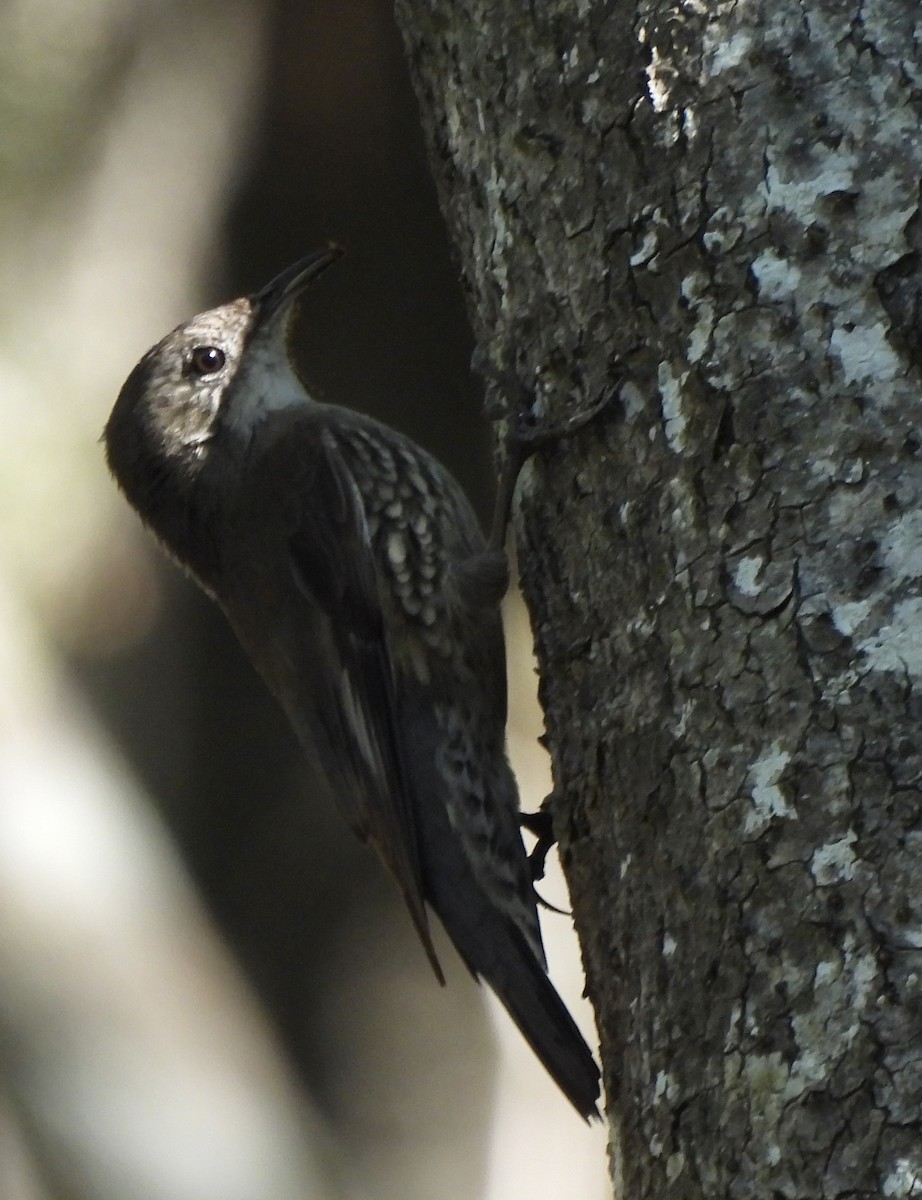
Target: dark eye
column 206, row 360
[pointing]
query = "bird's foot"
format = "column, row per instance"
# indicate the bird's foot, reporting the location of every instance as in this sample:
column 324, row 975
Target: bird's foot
column 509, row 400
column 542, row 827
column 540, row 824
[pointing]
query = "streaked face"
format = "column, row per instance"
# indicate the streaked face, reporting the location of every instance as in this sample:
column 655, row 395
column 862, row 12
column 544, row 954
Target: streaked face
column 226, row 368
column 172, row 398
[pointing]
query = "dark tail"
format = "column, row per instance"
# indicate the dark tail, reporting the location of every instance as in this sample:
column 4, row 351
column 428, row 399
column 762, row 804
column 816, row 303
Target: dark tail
column 487, row 938
column 496, row 951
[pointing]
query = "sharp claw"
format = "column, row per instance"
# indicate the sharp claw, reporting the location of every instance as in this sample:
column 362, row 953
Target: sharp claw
column 562, row 912
column 541, row 826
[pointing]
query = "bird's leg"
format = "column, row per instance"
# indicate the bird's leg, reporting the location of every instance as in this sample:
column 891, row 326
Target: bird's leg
column 542, row 826
column 512, row 402
column 482, row 580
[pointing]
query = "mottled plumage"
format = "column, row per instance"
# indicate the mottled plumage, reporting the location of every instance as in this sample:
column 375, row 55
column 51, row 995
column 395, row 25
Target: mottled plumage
column 353, row 570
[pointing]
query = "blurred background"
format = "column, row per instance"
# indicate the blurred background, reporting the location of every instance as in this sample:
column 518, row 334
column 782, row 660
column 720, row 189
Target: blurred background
column 207, row 987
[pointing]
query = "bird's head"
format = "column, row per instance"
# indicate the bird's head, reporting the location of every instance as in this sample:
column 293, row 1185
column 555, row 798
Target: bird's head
column 203, row 390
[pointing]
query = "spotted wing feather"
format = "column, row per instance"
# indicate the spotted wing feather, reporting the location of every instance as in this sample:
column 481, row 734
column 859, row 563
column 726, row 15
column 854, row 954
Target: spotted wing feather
column 334, row 567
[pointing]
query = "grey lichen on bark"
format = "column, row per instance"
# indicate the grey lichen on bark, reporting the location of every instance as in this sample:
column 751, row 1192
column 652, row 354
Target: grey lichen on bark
column 710, row 212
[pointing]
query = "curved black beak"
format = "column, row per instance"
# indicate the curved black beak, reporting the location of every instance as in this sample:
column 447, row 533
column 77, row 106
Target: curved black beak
column 293, row 280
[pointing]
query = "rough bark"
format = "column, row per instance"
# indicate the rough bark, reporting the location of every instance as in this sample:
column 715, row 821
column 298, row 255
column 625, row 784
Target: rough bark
column 710, row 213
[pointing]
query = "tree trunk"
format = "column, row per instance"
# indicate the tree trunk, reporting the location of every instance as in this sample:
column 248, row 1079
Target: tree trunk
column 708, row 212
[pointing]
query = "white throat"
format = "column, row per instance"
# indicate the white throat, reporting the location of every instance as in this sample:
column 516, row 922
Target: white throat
column 265, row 383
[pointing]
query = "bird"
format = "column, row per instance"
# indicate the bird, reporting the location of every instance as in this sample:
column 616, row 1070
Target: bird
column 357, row 579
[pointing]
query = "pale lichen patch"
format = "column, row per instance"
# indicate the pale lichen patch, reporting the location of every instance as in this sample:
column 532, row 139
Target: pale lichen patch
column 777, row 277
column 695, row 291
column 901, row 546
column 864, row 353
column 801, row 197
column 834, row 862
column 847, row 617
column 768, row 800
column 665, row 1087
column 633, row 400
column 674, row 418
column 904, row 1178
column 898, row 645
column 721, row 55
column 645, row 251
column 746, row 575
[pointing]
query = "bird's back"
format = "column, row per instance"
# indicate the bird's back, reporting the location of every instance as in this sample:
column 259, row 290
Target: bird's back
column 437, row 701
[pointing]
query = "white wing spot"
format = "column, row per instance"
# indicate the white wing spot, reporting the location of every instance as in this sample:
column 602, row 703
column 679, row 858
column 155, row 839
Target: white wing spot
column 396, row 549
